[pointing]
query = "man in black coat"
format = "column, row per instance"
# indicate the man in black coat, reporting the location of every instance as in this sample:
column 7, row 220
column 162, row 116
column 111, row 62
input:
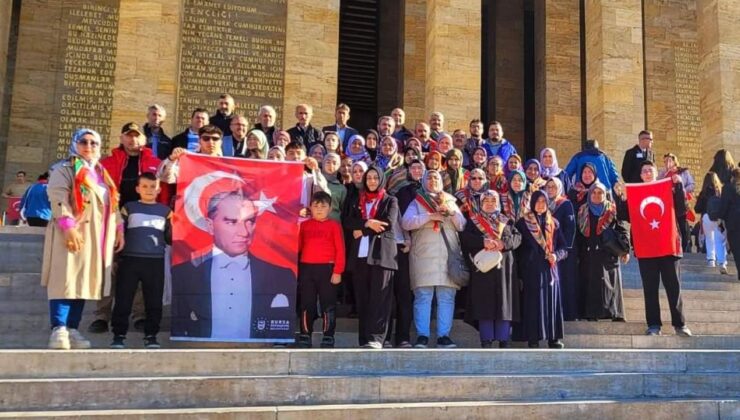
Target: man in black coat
column 224, row 113
column 633, row 158
column 156, row 138
column 228, row 294
column 304, row 132
column 189, row 138
column 345, row 132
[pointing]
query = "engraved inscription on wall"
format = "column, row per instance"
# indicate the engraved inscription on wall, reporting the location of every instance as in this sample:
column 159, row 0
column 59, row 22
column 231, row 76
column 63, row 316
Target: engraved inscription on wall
column 235, row 47
column 84, row 94
column 688, row 113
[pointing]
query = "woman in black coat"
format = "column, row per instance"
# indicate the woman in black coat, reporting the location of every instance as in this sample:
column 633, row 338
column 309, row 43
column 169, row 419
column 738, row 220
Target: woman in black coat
column 730, row 213
column 372, row 252
column 537, row 257
column 600, row 273
column 562, row 209
column 493, row 297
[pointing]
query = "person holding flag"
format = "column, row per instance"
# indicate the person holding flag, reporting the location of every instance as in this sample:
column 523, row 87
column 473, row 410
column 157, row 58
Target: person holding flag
column 653, row 208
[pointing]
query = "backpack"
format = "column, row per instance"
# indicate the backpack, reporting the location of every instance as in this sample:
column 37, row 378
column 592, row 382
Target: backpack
column 714, row 206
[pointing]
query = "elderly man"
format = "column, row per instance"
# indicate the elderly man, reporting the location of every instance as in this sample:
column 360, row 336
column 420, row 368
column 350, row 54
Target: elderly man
column 344, row 131
column 267, row 117
column 436, row 124
column 156, row 138
column 423, row 133
column 304, row 132
column 188, row 139
column 401, row 133
column 224, row 113
column 129, row 160
column 236, row 144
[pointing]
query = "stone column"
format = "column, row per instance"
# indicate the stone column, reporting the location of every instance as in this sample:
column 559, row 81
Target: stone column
column 510, row 71
column 415, row 59
column 5, row 16
column 719, row 38
column 453, row 50
column 311, row 59
column 146, row 63
column 558, row 77
column 614, row 74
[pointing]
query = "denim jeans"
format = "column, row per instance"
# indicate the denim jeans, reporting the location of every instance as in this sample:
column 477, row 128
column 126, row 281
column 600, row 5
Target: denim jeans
column 423, row 309
column 66, row 312
column 715, row 241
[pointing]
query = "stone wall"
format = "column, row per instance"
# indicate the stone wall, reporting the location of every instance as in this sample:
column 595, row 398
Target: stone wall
column 415, row 67
column 5, row 15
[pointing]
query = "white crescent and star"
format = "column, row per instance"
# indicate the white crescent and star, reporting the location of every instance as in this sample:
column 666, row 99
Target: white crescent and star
column 194, row 191
column 654, row 224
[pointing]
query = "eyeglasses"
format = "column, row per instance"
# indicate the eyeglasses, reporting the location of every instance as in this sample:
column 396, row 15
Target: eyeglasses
column 477, row 178
column 91, row 143
column 210, row 138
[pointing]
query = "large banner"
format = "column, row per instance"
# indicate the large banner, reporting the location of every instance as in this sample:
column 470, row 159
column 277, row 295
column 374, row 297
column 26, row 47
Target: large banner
column 653, row 220
column 13, row 211
column 235, row 249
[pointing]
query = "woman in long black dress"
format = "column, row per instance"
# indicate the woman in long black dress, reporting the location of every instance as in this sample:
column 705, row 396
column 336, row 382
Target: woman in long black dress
column 600, row 273
column 562, row 209
column 493, row 297
column 537, row 257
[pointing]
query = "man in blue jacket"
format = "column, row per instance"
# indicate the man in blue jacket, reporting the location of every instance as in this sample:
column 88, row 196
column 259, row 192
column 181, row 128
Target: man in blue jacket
column 496, row 144
column 605, row 168
column 35, row 207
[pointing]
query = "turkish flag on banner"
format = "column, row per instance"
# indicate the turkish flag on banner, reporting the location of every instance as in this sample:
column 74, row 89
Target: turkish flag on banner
column 653, row 220
column 274, row 187
column 13, row 213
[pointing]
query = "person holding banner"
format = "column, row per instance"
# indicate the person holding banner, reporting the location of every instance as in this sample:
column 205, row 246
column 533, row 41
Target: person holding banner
column 654, row 208
column 373, row 252
column 80, row 241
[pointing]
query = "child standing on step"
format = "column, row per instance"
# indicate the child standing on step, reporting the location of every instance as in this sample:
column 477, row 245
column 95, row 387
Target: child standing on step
column 147, row 229
column 320, row 270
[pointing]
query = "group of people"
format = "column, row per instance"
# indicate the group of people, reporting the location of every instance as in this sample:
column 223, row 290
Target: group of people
column 395, row 219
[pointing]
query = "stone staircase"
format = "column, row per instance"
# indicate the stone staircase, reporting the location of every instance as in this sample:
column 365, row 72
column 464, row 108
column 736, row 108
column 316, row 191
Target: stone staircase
column 609, row 370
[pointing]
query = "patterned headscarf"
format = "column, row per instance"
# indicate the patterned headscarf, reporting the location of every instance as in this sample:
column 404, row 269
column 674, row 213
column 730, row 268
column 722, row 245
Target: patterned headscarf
column 552, row 170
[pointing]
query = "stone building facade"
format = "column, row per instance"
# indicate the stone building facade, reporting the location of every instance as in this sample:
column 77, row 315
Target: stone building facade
column 554, row 72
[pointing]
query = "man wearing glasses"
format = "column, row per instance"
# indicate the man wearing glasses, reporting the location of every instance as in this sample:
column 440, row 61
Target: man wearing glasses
column 210, row 139
column 634, row 157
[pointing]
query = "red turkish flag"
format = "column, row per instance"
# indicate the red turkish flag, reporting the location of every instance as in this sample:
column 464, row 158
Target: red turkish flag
column 13, row 213
column 653, row 220
column 274, row 187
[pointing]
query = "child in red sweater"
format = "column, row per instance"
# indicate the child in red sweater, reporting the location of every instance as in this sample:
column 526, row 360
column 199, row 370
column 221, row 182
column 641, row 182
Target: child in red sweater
column 320, row 270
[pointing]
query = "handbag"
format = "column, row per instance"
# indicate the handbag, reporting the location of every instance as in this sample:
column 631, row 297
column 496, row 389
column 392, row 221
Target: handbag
column 613, row 243
column 486, row 260
column 457, row 269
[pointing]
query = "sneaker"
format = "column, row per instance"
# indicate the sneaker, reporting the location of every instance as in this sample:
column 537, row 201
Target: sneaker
column 77, row 340
column 150, row 342
column 98, row 326
column 486, row 344
column 139, row 325
column 555, row 344
column 503, row 344
column 653, row 330
column 422, row 342
column 683, row 331
column 387, row 344
column 405, row 345
column 304, row 341
column 59, row 339
column 533, row 344
column 327, row 342
column 117, row 342
column 723, row 268
column 711, row 263
column 375, row 345
column 445, row 343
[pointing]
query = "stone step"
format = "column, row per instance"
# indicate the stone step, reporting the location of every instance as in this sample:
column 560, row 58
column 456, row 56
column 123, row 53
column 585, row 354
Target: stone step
column 708, row 409
column 639, row 327
column 23, row 364
column 211, row 391
column 688, row 294
column 689, row 303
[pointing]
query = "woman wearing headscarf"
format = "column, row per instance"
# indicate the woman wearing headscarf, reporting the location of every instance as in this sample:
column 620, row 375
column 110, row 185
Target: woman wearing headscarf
column 399, row 177
column 372, row 138
column 532, row 170
column 281, row 138
column 578, row 193
column 562, row 209
column 496, row 177
column 478, row 159
column 414, row 143
column 276, row 153
column 432, row 214
column 493, row 297
column 514, row 163
column 468, row 198
column 357, row 172
column 356, row 149
column 330, row 169
column 256, row 146
column 388, row 158
column 537, row 257
column 454, row 177
column 515, row 203
column 81, row 238
column 373, row 253
column 551, row 169
column 600, row 274
column 730, row 213
column 318, row 152
column 434, row 161
column 332, row 143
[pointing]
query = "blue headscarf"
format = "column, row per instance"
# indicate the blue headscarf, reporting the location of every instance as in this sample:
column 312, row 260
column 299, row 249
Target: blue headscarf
column 597, row 209
column 539, row 167
column 77, row 136
column 516, row 196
